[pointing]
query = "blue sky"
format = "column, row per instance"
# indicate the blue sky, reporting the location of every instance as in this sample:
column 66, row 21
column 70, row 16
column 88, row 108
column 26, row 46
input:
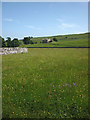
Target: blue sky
column 20, row 19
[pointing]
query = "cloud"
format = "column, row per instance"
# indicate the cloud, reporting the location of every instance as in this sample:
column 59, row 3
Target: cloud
column 59, row 20
column 8, row 19
column 63, row 24
column 32, row 27
column 68, row 25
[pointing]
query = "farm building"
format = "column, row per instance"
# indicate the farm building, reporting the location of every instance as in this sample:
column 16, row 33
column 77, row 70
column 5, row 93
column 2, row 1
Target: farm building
column 46, row 40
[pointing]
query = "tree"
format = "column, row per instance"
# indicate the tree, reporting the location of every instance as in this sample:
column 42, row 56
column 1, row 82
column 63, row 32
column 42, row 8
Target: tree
column 31, row 42
column 3, row 43
column 15, row 42
column 66, row 37
column 8, row 42
column 31, row 37
column 26, row 40
column 55, row 39
column 21, row 42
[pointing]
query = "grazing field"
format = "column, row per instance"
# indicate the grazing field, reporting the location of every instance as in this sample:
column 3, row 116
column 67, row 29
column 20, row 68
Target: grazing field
column 46, row 83
column 74, row 40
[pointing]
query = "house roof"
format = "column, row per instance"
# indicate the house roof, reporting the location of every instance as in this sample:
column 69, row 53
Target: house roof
column 46, row 39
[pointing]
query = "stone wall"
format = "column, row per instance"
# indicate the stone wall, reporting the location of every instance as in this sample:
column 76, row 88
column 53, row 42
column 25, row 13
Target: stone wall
column 5, row 51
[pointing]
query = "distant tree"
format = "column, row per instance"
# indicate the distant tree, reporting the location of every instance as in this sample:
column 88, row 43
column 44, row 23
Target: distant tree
column 31, row 37
column 8, row 42
column 15, row 42
column 3, row 43
column 21, row 42
column 26, row 40
column 55, row 39
column 66, row 37
column 31, row 42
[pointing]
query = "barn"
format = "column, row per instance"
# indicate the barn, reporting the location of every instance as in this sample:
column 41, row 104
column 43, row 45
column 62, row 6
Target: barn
column 46, row 40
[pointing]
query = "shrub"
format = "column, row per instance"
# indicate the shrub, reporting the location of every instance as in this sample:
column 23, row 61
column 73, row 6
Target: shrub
column 55, row 39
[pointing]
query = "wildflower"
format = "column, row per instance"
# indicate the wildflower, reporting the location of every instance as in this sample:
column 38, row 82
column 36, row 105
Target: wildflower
column 13, row 112
column 48, row 112
column 65, row 114
column 74, row 84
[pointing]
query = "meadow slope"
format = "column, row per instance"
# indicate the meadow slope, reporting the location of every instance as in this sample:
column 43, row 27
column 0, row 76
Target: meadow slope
column 46, row 83
column 73, row 40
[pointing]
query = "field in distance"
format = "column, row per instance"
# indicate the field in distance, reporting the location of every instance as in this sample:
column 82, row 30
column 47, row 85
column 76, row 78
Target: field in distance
column 73, row 40
column 45, row 83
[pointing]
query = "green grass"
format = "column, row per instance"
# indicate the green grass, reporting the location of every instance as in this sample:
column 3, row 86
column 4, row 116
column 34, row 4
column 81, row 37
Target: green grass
column 74, row 40
column 46, row 83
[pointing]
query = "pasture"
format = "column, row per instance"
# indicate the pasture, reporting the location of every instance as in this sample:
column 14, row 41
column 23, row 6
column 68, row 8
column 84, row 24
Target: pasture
column 45, row 83
column 73, row 40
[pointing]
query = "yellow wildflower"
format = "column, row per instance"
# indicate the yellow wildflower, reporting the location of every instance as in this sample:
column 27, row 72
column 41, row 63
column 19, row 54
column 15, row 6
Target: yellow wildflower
column 13, row 112
column 48, row 112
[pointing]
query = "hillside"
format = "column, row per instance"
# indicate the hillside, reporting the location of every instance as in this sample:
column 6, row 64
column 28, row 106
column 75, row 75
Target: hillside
column 72, row 40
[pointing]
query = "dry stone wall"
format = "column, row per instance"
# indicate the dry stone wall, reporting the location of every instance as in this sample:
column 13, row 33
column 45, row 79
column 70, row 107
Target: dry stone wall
column 5, row 51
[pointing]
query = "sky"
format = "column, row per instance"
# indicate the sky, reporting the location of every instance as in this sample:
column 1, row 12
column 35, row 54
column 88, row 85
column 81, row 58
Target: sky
column 37, row 19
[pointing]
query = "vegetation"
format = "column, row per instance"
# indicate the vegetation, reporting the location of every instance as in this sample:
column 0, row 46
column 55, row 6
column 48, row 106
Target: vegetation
column 74, row 40
column 3, row 43
column 27, row 40
column 46, row 83
column 15, row 42
column 55, row 39
column 10, row 43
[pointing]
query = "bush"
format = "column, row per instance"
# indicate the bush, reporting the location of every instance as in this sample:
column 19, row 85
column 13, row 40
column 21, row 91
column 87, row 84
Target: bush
column 21, row 43
column 15, row 42
column 55, row 39
column 3, row 42
column 8, row 41
column 27, row 40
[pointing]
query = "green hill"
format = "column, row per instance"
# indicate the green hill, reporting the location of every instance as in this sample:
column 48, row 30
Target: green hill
column 72, row 40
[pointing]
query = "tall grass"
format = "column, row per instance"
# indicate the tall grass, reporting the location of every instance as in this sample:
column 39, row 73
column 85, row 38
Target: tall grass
column 46, row 83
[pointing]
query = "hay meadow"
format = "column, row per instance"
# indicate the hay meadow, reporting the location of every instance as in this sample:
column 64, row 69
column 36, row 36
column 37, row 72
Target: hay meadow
column 45, row 83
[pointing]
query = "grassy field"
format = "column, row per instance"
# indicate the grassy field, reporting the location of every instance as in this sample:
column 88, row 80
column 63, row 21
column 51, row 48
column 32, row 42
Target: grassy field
column 74, row 40
column 46, row 83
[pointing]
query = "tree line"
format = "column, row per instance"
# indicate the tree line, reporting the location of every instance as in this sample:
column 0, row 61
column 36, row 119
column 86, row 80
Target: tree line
column 15, row 42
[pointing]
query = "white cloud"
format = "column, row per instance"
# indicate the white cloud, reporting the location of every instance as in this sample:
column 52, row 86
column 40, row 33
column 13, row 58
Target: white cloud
column 32, row 27
column 8, row 19
column 59, row 20
column 66, row 25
